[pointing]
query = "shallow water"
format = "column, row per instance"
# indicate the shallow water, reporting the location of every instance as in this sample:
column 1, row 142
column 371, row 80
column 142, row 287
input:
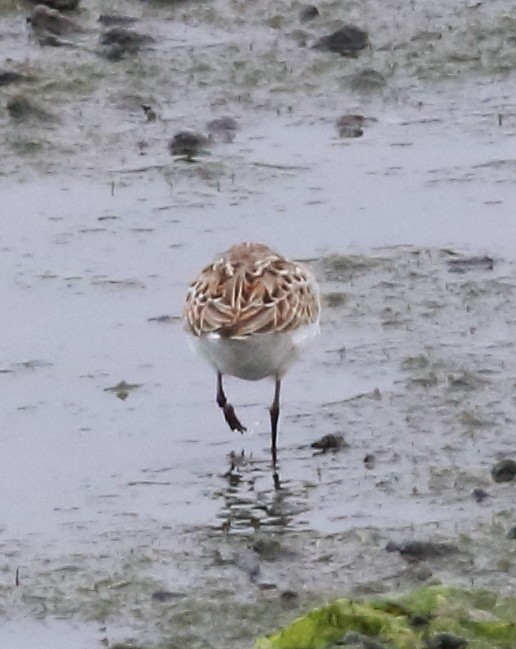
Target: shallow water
column 124, row 517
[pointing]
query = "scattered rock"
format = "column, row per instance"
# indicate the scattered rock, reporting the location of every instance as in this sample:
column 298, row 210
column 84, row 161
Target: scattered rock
column 60, row 5
column 21, row 108
column 330, row 443
column 308, row 12
column 51, row 20
column 479, row 494
column 470, row 263
column 370, row 461
column 225, row 127
column 420, row 550
column 289, row 597
column 109, row 20
column 164, row 596
column 511, row 534
column 418, row 620
column 347, row 41
column 7, row 77
column 188, row 143
column 504, row 470
column 445, row 641
column 128, row 39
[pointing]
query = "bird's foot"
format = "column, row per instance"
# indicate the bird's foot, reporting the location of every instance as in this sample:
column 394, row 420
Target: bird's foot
column 232, row 419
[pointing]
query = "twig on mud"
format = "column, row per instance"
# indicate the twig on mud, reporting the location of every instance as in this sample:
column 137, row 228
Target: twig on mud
column 137, row 169
column 269, row 165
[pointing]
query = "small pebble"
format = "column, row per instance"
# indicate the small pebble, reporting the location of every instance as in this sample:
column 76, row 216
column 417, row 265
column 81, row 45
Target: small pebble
column 10, row 76
column 60, row 5
column 479, row 494
column 308, row 12
column 504, row 470
column 511, row 534
column 329, row 443
column 347, row 41
column 370, row 461
column 420, row 550
column 289, row 596
column 164, row 595
column 445, row 641
column 129, row 39
column 21, row 107
column 188, row 144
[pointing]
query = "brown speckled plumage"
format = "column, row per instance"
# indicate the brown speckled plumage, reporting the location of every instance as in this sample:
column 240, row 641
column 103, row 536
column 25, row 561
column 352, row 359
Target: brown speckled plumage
column 250, row 290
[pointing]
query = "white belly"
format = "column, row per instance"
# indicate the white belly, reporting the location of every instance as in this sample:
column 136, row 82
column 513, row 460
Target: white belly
column 257, row 356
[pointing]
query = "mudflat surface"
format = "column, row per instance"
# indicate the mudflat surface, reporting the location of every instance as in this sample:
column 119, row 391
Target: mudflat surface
column 144, row 519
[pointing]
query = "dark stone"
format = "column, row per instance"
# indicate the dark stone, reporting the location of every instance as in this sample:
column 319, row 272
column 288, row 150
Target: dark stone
column 289, row 597
column 187, row 143
column 164, row 595
column 329, row 443
column 347, row 41
column 60, row 5
column 308, row 12
column 479, row 494
column 8, row 77
column 504, row 470
column 370, row 461
column 445, row 641
column 128, row 39
column 511, row 534
column 21, row 108
column 419, row 550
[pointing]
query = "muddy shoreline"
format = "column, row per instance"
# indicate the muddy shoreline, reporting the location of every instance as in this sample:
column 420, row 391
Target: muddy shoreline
column 123, row 520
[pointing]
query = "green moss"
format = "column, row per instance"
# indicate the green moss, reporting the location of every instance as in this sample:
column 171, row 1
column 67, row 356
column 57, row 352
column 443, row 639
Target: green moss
column 481, row 619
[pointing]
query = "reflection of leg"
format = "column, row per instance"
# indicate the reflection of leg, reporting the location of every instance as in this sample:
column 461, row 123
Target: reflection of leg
column 275, row 408
column 227, row 408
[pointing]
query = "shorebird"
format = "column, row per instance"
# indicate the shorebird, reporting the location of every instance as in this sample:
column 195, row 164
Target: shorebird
column 249, row 314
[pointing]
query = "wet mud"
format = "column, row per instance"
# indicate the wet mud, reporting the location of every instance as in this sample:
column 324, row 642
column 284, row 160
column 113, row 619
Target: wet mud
column 132, row 515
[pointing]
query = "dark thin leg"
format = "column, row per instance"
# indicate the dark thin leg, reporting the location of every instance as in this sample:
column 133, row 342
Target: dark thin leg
column 227, row 408
column 275, row 408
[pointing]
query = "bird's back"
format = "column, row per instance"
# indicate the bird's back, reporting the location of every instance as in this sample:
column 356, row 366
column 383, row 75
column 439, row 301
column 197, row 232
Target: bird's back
column 251, row 290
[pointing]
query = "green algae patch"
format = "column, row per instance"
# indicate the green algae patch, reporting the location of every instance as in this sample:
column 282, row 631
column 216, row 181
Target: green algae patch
column 436, row 616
